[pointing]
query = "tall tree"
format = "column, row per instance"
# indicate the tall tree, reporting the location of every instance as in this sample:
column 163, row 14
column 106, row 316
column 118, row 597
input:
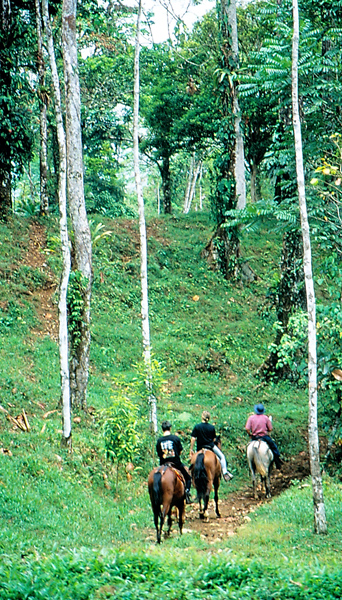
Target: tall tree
column 62, row 304
column 82, row 248
column 16, row 95
column 43, row 103
column 143, row 238
column 318, row 500
column 232, row 62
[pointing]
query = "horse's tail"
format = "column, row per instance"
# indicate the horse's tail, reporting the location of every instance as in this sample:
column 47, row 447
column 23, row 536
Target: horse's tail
column 200, row 476
column 261, row 459
column 157, row 492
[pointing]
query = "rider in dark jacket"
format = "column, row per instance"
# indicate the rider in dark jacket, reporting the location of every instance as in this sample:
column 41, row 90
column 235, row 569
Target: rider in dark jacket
column 169, row 448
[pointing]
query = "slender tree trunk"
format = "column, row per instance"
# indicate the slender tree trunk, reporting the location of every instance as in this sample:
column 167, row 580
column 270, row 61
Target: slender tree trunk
column 143, row 237
column 200, row 188
column 62, row 304
column 166, row 184
column 229, row 10
column 317, row 488
column 290, row 296
column 43, row 101
column 79, row 365
column 188, row 184
column 158, row 199
column 5, row 84
column 192, row 184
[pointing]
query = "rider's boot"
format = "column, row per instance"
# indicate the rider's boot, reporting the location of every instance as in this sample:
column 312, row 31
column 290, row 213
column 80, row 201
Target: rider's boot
column 227, row 476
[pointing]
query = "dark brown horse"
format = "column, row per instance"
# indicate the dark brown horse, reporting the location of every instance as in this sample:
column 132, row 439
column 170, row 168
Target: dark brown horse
column 166, row 488
column 206, row 473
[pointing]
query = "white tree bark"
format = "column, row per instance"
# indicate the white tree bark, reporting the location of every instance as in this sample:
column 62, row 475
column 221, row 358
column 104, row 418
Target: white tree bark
column 200, row 188
column 62, row 304
column 142, row 228
column 239, row 166
column 188, row 184
column 44, row 199
column 193, row 185
column 317, row 489
column 192, row 180
column 79, row 366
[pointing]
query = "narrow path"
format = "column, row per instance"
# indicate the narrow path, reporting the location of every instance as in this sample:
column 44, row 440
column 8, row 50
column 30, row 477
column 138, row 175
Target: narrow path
column 236, row 508
column 43, row 297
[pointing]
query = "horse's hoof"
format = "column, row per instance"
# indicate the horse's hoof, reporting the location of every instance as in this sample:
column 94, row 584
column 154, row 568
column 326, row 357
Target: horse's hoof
column 218, row 515
column 201, row 516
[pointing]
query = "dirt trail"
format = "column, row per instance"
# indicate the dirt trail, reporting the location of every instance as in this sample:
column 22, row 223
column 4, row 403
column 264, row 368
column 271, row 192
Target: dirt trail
column 47, row 310
column 236, row 508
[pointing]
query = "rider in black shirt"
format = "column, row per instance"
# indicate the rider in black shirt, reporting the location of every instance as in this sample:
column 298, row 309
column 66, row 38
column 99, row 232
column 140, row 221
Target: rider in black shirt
column 205, row 435
column 169, row 448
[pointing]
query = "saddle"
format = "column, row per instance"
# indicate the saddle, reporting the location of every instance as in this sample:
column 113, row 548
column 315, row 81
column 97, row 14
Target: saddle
column 179, row 475
column 205, row 448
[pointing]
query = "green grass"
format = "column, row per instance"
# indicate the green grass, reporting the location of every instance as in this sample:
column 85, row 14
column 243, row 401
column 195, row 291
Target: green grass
column 68, row 517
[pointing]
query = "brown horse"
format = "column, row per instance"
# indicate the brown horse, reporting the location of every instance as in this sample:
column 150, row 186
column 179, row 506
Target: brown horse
column 166, row 488
column 206, row 473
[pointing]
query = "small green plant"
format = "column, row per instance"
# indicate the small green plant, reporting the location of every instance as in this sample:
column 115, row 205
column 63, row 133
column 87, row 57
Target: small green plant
column 121, row 433
column 75, row 301
column 98, row 233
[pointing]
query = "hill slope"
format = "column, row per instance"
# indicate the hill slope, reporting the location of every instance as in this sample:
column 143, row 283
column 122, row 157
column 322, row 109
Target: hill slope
column 207, row 334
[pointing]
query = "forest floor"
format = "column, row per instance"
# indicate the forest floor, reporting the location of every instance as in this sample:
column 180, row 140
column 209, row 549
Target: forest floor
column 235, row 508
column 47, row 309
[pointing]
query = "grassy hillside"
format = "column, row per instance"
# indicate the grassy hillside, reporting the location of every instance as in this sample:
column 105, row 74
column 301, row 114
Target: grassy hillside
column 209, row 337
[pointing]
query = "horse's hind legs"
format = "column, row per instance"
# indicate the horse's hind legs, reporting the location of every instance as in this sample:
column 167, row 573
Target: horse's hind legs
column 159, row 531
column 205, row 508
column 268, row 487
column 169, row 522
column 181, row 515
column 156, row 524
column 216, row 502
column 255, row 494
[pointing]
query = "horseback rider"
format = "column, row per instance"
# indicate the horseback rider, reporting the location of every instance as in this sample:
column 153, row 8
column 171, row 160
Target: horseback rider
column 259, row 426
column 169, row 448
column 205, row 435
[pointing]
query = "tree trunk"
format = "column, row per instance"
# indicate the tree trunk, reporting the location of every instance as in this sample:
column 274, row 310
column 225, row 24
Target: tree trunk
column 200, row 188
column 62, row 304
column 166, row 184
column 188, row 183
column 229, row 13
column 231, row 184
column 193, row 185
column 320, row 523
column 5, row 84
column 290, row 296
column 43, row 102
column 79, row 365
column 143, row 238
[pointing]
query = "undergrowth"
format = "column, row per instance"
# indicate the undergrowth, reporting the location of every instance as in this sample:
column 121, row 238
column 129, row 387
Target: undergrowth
column 62, row 514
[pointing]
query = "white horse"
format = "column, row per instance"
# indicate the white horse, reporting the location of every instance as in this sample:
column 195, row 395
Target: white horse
column 260, row 460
